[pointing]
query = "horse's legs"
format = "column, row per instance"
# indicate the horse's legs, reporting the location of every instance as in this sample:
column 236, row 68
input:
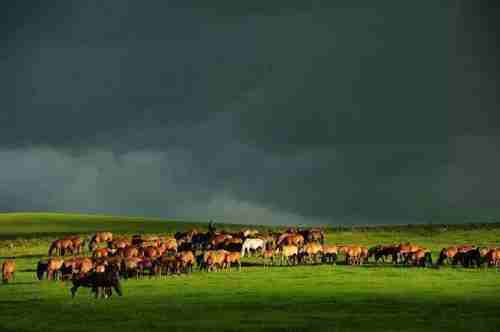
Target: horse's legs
column 73, row 290
column 118, row 289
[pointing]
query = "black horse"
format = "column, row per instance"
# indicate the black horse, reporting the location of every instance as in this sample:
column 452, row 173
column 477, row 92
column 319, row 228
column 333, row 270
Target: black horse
column 469, row 258
column 100, row 282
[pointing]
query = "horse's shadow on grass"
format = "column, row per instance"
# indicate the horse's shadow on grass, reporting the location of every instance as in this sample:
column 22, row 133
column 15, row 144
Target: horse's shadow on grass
column 16, row 283
column 22, row 256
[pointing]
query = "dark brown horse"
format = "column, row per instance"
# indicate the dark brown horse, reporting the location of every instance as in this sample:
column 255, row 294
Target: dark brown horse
column 101, row 283
column 382, row 252
column 447, row 254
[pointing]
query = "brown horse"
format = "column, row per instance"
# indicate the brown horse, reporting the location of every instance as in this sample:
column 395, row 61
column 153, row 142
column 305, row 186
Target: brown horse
column 100, row 237
column 233, row 257
column 353, row 254
column 218, row 240
column 186, row 260
column 100, row 252
column 289, row 254
column 493, row 257
column 77, row 244
column 421, row 257
column 60, row 247
column 130, row 267
column 169, row 245
column 405, row 250
column 52, row 267
column 330, row 252
column 311, row 252
column 291, row 239
column 268, row 256
column 8, row 270
column 313, row 235
column 214, row 260
column 119, row 243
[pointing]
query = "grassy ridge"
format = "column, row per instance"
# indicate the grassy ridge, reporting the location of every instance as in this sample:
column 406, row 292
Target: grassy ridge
column 313, row 298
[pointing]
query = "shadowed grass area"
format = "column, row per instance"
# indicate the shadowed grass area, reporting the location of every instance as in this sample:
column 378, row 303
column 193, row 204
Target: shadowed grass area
column 323, row 298
column 299, row 298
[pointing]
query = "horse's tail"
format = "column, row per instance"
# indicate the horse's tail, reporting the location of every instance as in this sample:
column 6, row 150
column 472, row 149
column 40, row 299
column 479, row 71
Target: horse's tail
column 243, row 250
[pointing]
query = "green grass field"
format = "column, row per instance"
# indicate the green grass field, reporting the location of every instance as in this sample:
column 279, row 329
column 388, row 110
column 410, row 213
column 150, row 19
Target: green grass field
column 302, row 298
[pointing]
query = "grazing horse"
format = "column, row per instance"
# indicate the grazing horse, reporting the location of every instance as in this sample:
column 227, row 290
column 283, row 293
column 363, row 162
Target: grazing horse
column 60, row 247
column 291, row 239
column 8, row 270
column 170, row 245
column 165, row 264
column 219, row 240
column 382, row 252
column 312, row 251
column 329, row 253
column 52, row 267
column 290, row 254
column 352, row 253
column 268, row 256
column 252, row 245
column 120, row 243
column 186, row 260
column 100, row 237
column 313, row 235
column 100, row 282
column 421, row 257
column 405, row 251
column 76, row 244
column 493, row 257
column 233, row 258
column 130, row 267
column 214, row 260
column 468, row 258
column 449, row 253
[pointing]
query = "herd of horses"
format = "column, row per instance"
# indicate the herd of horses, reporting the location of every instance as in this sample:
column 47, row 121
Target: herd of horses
column 111, row 257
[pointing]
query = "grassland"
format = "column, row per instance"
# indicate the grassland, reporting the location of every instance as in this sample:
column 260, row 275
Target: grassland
column 318, row 298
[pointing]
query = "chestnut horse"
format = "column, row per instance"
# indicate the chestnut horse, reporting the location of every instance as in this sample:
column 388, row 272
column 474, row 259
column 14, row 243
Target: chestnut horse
column 8, row 270
column 330, row 252
column 60, row 247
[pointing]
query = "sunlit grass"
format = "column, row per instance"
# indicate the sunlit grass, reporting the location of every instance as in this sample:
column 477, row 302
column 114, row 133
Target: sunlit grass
column 317, row 298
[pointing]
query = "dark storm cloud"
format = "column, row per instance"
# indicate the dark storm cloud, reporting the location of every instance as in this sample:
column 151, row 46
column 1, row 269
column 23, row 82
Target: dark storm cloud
column 309, row 112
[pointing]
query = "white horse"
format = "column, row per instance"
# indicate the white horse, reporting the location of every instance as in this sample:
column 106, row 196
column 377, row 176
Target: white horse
column 252, row 244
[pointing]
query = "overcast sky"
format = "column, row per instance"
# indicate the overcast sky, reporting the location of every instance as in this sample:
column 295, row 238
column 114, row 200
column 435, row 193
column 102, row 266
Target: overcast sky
column 283, row 112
